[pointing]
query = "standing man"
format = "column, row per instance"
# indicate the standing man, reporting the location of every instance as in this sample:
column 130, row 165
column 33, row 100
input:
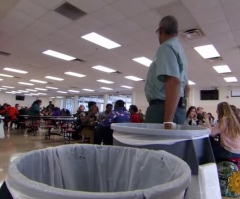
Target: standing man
column 167, row 79
column 104, row 114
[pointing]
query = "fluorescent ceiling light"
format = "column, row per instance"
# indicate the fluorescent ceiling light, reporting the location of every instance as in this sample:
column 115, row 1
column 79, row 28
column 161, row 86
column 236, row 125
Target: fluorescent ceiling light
column 26, row 83
column 4, row 75
column 143, row 60
column 52, row 97
column 191, row 82
column 34, row 93
column 105, row 81
column 3, row 89
column 54, row 78
column 61, row 92
column 73, row 91
column 74, row 74
column 15, row 70
column 41, row 93
column 133, row 78
column 100, row 40
column 59, row 97
column 51, row 87
column 41, row 89
column 222, row 69
column 31, row 90
column 16, row 92
column 8, row 87
column 23, row 91
column 28, row 94
column 1, row 79
column 127, row 87
column 207, row 51
column 58, row 55
column 106, row 88
column 10, row 92
column 38, row 81
column 104, row 69
column 230, row 79
column 86, row 89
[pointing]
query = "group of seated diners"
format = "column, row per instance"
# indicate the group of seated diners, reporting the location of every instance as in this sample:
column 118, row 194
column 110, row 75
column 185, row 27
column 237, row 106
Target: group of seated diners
column 225, row 130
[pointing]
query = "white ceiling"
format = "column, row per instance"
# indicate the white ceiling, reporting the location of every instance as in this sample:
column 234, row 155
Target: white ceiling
column 32, row 26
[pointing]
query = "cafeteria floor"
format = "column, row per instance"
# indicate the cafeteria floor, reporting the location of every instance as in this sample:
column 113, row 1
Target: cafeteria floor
column 15, row 143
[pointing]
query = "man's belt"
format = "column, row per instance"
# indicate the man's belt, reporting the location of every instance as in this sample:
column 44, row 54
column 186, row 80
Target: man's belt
column 181, row 103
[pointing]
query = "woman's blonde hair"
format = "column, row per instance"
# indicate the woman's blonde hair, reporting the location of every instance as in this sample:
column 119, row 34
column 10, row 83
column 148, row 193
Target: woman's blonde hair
column 233, row 126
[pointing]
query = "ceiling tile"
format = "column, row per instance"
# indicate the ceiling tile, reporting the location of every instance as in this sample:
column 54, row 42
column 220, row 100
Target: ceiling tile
column 56, row 20
column 180, row 12
column 144, row 34
column 147, row 19
column 157, row 3
column 88, row 6
column 210, row 16
column 216, row 28
column 104, row 13
column 129, row 8
column 49, row 5
column 17, row 18
column 201, row 6
column 126, row 26
column 30, row 9
column 89, row 22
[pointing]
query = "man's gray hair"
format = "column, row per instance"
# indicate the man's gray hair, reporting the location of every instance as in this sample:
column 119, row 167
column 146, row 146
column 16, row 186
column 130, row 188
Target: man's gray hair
column 169, row 25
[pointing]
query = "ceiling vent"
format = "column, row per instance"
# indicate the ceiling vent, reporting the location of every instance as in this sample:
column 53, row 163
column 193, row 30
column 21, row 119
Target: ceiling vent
column 74, row 87
column 215, row 59
column 193, row 33
column 117, row 72
column 70, row 11
column 78, row 60
column 4, row 53
column 17, row 77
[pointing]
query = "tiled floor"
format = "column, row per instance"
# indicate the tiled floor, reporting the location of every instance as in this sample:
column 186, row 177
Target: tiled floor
column 15, row 143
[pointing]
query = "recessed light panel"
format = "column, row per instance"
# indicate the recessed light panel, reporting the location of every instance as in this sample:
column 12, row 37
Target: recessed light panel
column 54, row 78
column 129, row 87
column 191, row 82
column 61, row 92
column 5, row 75
column 105, row 81
column 75, row 74
column 143, row 60
column 15, row 70
column 59, row 55
column 230, row 79
column 38, row 81
column 8, row 87
column 41, row 89
column 222, row 69
column 104, row 69
column 207, row 51
column 73, row 91
column 133, row 78
column 106, row 88
column 89, row 90
column 26, row 83
column 51, row 87
column 100, row 40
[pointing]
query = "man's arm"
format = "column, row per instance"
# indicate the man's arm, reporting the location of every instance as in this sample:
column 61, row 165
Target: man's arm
column 173, row 86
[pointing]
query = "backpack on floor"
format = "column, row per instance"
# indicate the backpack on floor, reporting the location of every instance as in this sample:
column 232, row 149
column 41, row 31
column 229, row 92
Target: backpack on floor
column 228, row 174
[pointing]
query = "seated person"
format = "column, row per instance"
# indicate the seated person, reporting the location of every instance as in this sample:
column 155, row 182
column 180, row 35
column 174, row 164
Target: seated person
column 88, row 120
column 191, row 116
column 118, row 115
column 105, row 113
column 228, row 128
column 135, row 117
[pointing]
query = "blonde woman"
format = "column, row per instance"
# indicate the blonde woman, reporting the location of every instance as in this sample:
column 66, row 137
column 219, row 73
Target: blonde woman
column 228, row 128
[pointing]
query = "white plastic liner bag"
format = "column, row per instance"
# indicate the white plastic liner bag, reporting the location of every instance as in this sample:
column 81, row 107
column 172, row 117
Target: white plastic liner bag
column 103, row 172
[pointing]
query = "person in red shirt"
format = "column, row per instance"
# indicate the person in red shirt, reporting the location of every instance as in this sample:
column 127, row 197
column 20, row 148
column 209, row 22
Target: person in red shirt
column 134, row 115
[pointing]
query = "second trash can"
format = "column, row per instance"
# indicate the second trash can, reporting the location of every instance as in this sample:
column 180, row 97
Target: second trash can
column 104, row 172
